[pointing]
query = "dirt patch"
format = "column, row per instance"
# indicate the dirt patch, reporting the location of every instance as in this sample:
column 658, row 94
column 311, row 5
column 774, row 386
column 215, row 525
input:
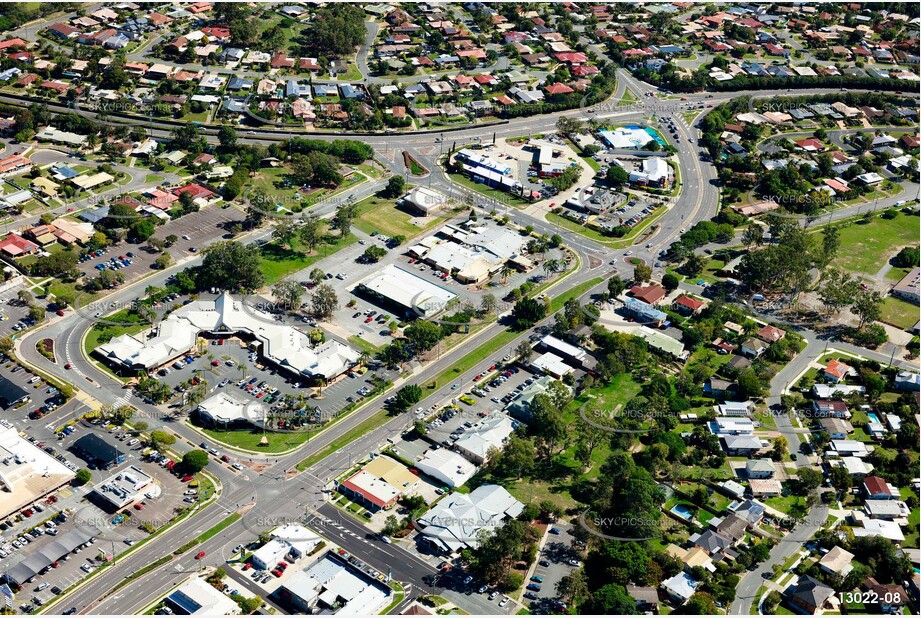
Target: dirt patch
column 255, row 467
column 45, row 347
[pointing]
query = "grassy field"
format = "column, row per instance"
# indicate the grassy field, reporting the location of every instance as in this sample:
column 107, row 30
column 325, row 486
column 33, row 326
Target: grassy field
column 278, row 262
column 375, row 420
column 379, row 214
column 248, row 439
column 129, row 323
column 867, row 247
column 899, row 313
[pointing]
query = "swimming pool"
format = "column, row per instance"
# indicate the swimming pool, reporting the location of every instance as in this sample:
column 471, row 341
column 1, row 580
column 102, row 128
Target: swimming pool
column 651, row 132
column 682, row 511
column 873, row 418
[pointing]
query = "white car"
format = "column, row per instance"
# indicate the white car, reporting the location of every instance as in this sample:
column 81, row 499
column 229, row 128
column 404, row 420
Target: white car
column 503, row 602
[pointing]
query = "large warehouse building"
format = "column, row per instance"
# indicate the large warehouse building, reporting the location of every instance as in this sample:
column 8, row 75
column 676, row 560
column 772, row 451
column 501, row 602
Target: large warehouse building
column 413, row 295
column 27, row 473
column 283, row 345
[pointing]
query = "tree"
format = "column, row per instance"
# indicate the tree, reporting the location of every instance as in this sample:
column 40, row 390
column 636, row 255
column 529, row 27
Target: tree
column 616, row 286
column 163, row 260
column 396, row 185
column 373, row 254
column 837, row 290
column 517, row 457
column 867, row 307
column 310, row 230
column 407, row 397
column 572, row 588
column 37, row 313
column 487, row 304
column 6, row 344
column 316, row 275
column 610, row 599
column 231, row 265
column 642, row 272
column 831, row 240
column 523, row 351
column 693, row 266
column 423, row 335
column 617, row 176
column 342, row 220
column 588, row 438
column 288, row 294
column 160, row 439
column 528, row 312
column 195, row 461
column 391, row 525
column 227, row 137
column 83, row 477
column 670, row 282
column 700, row 604
column 325, row 301
column 550, row 427
column 753, row 235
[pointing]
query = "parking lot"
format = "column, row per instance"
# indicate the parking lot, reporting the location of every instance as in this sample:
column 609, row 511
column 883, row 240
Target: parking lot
column 194, row 231
column 558, row 557
column 12, row 311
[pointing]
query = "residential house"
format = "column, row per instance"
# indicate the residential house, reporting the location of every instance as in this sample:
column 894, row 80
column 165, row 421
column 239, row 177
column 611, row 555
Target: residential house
column 810, row 595
column 760, row 469
column 876, row 488
column 889, row 598
column 765, row 488
column 770, row 334
column 837, row 371
column 754, row 347
column 650, row 294
column 680, row 587
column 645, row 598
column 836, row 428
column 686, row 305
column 825, row 407
column 837, row 562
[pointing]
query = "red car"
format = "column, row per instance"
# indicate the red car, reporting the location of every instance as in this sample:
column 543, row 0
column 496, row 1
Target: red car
column 277, row 573
column 200, row 555
column 68, row 366
column 187, row 478
column 369, row 319
column 138, row 506
column 225, row 458
column 60, row 312
column 281, row 565
column 247, row 566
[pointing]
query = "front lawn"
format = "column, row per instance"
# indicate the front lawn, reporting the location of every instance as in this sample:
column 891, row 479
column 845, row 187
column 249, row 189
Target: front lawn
column 248, row 439
column 277, row 262
column 899, row 313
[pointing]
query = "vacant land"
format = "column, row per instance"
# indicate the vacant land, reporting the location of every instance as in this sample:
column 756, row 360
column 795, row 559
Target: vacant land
column 278, row 262
column 899, row 313
column 866, row 247
column 382, row 215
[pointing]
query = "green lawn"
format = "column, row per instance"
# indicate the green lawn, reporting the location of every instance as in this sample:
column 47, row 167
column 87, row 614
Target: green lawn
column 103, row 332
column 277, row 262
column 379, row 214
column 899, row 313
column 248, row 439
column 867, row 247
column 153, row 178
column 783, row 503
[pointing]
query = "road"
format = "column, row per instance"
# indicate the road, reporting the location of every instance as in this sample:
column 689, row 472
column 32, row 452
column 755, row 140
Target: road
column 294, row 498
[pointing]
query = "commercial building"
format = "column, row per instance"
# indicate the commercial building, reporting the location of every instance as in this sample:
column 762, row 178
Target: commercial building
column 626, row 138
column 291, row 540
column 333, row 586
column 123, row 488
column 197, row 597
column 551, row 365
column 50, row 134
column 282, row 345
column 573, row 354
column 446, row 466
column 644, row 312
column 223, row 410
column 653, row 171
column 907, row 288
column 97, row 452
column 490, row 433
column 458, row 520
column 380, row 483
column 411, row 294
column 425, row 200
column 520, row 407
column 27, row 473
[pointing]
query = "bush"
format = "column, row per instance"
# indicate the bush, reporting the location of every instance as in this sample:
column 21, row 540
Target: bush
column 83, row 477
column 512, row 582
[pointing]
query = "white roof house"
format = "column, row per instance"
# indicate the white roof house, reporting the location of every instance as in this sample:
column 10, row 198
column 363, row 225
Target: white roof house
column 732, row 426
column 491, row 432
column 458, row 521
column 198, row 597
column 446, row 466
column 880, row 527
column 222, row 409
column 680, row 587
column 426, row 200
column 405, row 289
column 124, row 487
column 284, row 345
column 853, row 448
column 551, row 364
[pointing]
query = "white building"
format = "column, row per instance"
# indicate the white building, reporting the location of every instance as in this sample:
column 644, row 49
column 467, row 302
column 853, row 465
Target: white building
column 491, row 432
column 415, row 295
column 124, row 487
column 332, row 586
column 459, row 520
column 223, row 410
column 197, row 597
column 446, row 466
column 291, row 540
column 283, row 345
column 624, row 138
column 27, row 473
column 425, row 200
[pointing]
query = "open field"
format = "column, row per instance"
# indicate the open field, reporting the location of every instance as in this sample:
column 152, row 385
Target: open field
column 866, row 248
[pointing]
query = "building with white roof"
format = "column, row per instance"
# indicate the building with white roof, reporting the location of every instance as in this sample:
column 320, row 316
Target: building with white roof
column 732, row 426
column 27, row 473
column 626, row 138
column 283, row 345
column 446, row 466
column 414, row 295
column 332, row 586
column 124, row 487
column 490, row 433
column 197, row 597
column 735, row 408
column 224, row 410
column 290, row 539
column 50, row 134
column 851, row 448
column 880, row 527
column 551, row 364
column 458, row 520
column 425, row 200
column 653, row 171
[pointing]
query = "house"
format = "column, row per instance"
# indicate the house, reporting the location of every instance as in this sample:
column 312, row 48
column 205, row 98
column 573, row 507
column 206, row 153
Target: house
column 837, row 371
column 712, row 542
column 14, row 164
column 759, row 469
column 754, row 347
column 810, row 595
column 765, row 488
column 645, row 598
column 836, row 428
column 15, row 246
column 650, row 294
column 849, row 448
column 825, row 407
column 686, row 305
column 732, row 526
column 45, row 186
column 889, row 598
column 752, row 512
column 837, row 562
column 735, row 408
column 771, row 334
column 738, row 363
column 907, row 381
column 887, row 509
column 876, row 488
column 680, row 588
column 717, row 387
column 741, row 445
column 908, row 287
